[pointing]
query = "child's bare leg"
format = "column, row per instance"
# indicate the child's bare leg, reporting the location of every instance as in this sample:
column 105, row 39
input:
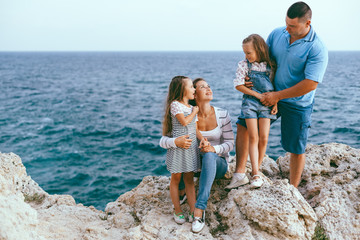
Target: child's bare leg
column 252, row 127
column 174, row 191
column 264, row 129
column 190, row 189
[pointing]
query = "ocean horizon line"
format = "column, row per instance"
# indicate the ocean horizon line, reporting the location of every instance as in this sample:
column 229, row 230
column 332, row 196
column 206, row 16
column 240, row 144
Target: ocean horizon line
column 135, row 51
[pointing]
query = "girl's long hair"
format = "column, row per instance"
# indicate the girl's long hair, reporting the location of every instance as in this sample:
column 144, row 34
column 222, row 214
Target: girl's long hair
column 262, row 51
column 195, row 81
column 176, row 92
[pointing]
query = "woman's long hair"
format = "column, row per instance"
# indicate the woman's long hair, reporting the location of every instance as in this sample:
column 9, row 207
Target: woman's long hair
column 176, row 92
column 262, row 51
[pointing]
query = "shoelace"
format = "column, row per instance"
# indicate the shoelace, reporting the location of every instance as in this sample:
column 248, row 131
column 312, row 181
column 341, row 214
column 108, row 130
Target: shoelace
column 198, row 219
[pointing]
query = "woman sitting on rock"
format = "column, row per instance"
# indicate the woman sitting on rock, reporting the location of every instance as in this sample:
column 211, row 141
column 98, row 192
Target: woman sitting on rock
column 215, row 125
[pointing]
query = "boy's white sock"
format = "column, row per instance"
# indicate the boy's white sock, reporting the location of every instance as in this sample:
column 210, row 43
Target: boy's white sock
column 239, row 175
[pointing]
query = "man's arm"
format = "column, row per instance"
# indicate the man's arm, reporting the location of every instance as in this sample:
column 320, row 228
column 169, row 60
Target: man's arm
column 299, row 89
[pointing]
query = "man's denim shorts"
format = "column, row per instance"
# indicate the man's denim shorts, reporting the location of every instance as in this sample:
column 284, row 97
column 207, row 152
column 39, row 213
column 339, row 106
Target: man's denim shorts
column 295, row 124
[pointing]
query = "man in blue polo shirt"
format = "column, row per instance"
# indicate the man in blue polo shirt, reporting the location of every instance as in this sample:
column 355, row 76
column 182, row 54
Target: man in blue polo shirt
column 301, row 60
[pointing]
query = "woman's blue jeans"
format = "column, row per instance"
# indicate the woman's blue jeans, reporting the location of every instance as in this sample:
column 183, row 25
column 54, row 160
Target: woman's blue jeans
column 212, row 166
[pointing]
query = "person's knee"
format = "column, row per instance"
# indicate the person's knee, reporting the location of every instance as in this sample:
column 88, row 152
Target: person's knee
column 208, row 155
column 295, row 157
column 175, row 178
column 189, row 178
column 263, row 140
column 253, row 139
column 208, row 159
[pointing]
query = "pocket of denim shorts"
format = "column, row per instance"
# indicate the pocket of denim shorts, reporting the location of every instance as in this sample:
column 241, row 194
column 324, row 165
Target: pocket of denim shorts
column 305, row 129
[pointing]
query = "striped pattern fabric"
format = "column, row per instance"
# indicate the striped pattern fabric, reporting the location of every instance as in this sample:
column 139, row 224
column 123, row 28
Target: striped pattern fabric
column 179, row 160
column 227, row 138
column 166, row 142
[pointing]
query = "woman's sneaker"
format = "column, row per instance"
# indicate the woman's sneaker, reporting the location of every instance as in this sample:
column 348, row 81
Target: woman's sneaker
column 198, row 223
column 256, row 183
column 182, row 199
column 179, row 218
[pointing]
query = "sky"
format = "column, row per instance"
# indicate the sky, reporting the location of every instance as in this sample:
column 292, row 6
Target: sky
column 163, row 25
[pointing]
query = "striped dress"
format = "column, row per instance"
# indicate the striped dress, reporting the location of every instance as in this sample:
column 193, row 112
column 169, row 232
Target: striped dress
column 179, row 160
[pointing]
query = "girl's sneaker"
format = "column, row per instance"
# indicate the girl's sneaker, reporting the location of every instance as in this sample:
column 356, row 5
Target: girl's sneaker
column 256, row 183
column 237, row 182
column 191, row 217
column 198, row 223
column 179, row 218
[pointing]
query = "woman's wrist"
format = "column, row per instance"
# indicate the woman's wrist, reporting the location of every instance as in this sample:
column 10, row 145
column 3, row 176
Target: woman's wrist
column 216, row 148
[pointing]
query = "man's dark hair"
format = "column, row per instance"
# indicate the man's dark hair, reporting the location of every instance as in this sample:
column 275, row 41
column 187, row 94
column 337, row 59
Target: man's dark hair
column 299, row 10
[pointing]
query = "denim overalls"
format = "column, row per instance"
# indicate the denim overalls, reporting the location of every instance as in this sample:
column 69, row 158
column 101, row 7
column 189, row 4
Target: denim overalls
column 251, row 106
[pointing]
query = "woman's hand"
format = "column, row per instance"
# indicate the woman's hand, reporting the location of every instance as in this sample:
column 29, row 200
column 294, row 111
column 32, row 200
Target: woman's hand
column 208, row 149
column 204, row 143
column 183, row 142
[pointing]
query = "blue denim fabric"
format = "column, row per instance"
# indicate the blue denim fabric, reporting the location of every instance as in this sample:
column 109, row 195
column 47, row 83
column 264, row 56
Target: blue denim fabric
column 295, row 125
column 212, row 166
column 251, row 106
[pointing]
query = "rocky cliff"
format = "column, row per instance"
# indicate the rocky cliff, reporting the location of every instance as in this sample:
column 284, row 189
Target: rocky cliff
column 328, row 198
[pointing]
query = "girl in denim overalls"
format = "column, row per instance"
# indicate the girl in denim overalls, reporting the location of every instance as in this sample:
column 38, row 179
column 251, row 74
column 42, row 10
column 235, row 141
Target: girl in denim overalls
column 260, row 69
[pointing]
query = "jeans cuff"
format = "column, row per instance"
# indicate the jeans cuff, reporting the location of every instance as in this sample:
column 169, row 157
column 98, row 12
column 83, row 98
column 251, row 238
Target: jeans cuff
column 200, row 206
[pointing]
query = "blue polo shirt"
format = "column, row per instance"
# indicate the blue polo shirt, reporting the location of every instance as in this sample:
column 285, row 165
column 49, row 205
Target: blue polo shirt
column 305, row 58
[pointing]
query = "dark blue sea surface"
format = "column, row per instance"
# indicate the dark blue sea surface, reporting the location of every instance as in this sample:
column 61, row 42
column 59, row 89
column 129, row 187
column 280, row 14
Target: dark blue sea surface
column 88, row 123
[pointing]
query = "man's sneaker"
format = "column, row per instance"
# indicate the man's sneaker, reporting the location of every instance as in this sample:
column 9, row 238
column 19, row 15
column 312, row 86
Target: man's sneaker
column 182, row 199
column 237, row 182
column 256, row 183
column 198, row 223
column 179, row 218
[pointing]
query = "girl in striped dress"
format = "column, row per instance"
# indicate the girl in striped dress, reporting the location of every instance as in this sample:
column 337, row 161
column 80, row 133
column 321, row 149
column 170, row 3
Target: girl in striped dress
column 180, row 119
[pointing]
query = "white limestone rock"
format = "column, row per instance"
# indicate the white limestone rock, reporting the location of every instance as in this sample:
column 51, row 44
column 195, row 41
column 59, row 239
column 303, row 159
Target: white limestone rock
column 331, row 184
column 16, row 217
column 275, row 211
column 14, row 171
